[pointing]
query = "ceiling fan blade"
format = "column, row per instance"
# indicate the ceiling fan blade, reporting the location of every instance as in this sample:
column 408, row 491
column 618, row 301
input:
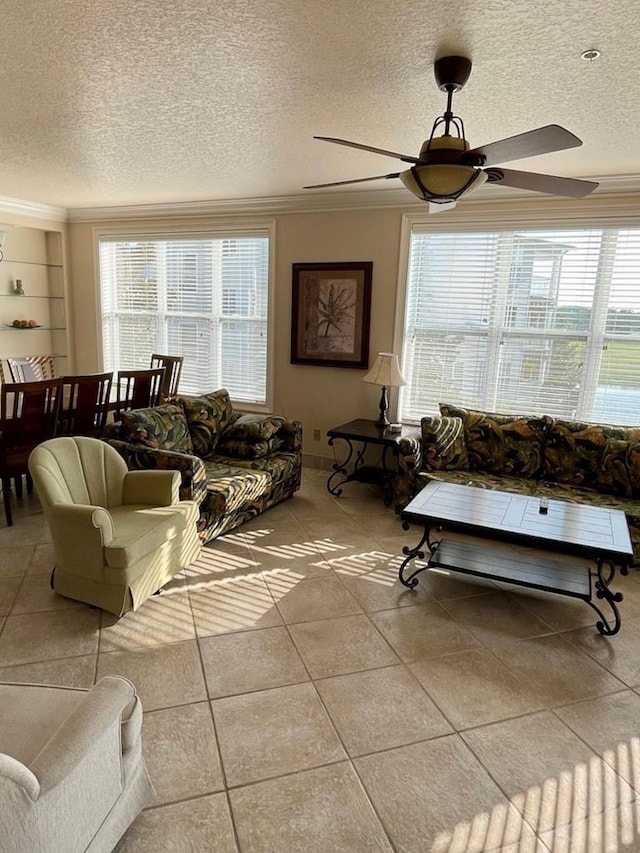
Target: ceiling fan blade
column 543, row 140
column 406, row 158
column 552, row 184
column 355, row 181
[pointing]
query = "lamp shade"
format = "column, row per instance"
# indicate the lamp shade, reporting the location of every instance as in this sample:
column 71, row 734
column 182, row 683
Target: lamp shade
column 385, row 371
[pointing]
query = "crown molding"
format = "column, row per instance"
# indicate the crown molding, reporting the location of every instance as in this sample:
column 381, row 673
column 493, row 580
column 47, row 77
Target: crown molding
column 32, row 209
column 268, row 205
column 398, row 197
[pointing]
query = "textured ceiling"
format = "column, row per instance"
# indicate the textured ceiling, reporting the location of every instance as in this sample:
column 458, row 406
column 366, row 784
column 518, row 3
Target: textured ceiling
column 110, row 102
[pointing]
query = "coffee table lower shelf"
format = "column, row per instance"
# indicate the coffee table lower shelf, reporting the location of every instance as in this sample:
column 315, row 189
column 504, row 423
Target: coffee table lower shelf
column 535, row 570
column 538, row 572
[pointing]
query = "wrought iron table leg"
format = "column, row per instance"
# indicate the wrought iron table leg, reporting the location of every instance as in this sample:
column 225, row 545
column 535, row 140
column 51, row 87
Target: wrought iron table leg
column 604, row 578
column 415, row 553
column 339, row 470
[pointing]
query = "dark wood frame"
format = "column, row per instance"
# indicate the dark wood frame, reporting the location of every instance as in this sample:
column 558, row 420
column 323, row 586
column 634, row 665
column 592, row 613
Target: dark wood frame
column 308, row 279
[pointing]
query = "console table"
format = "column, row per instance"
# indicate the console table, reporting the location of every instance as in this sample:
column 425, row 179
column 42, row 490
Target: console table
column 364, row 433
column 598, row 534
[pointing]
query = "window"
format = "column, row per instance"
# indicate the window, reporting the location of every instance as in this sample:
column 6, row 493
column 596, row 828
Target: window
column 533, row 321
column 203, row 297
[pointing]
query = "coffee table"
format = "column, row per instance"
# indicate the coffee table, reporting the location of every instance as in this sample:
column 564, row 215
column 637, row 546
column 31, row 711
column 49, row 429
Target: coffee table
column 598, row 534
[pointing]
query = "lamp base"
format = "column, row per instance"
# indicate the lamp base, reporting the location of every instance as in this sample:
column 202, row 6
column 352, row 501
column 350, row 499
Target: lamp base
column 383, row 420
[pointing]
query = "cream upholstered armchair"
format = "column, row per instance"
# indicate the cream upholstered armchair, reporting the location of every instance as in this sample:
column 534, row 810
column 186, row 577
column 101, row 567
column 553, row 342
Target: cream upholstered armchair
column 118, row 535
column 72, row 776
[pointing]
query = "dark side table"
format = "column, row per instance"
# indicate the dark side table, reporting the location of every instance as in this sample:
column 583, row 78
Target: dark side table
column 363, row 433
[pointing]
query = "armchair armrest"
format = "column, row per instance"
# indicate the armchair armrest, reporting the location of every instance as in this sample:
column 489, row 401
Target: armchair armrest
column 89, row 525
column 406, row 482
column 156, row 488
column 193, row 486
column 102, row 707
column 410, row 454
column 20, row 775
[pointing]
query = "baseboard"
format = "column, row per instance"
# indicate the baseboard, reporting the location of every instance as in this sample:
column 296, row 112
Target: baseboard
column 322, row 463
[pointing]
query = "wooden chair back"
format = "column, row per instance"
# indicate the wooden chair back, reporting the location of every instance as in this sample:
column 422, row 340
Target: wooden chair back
column 23, row 371
column 31, row 368
column 172, row 369
column 85, row 404
column 28, row 416
column 138, row 389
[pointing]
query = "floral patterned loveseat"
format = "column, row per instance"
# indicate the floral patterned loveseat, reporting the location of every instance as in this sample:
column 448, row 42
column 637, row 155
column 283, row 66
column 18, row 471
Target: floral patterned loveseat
column 533, row 455
column 234, row 465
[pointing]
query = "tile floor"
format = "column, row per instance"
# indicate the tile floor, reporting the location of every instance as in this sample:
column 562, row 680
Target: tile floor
column 298, row 698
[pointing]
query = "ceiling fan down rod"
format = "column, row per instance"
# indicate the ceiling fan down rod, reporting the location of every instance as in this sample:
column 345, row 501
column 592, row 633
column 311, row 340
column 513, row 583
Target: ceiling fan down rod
column 448, row 113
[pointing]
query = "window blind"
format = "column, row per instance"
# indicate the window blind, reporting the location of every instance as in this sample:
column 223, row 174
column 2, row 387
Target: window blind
column 205, row 298
column 533, row 321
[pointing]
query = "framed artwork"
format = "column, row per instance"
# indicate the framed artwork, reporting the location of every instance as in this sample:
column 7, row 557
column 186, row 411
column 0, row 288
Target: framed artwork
column 330, row 314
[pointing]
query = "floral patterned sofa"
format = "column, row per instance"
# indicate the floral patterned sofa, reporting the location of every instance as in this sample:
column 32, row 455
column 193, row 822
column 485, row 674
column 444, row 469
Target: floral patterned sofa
column 233, row 465
column 533, row 455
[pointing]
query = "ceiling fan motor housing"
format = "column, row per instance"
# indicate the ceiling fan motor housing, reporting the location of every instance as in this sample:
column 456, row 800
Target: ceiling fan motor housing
column 451, row 72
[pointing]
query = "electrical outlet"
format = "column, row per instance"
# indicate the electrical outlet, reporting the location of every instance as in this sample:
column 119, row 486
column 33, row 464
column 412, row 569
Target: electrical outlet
column 316, row 435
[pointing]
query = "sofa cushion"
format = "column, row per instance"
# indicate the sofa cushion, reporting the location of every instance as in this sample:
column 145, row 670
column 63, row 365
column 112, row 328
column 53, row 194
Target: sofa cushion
column 140, row 530
column 230, row 488
column 481, row 480
column 443, row 444
column 207, row 416
column 620, row 471
column 252, row 427
column 160, row 427
column 574, row 451
column 506, row 445
column 251, row 449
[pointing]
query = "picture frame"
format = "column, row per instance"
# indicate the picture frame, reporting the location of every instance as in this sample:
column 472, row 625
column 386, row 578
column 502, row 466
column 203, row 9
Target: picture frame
column 331, row 313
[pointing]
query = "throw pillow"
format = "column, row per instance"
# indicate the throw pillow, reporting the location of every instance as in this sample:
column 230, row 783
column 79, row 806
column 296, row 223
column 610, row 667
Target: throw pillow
column 252, row 427
column 443, row 444
column 207, row 417
column 507, row 445
column 160, row 427
column 620, row 471
column 574, row 451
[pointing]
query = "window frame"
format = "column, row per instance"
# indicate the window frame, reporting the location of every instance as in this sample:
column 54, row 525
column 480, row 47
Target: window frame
column 611, row 210
column 213, row 230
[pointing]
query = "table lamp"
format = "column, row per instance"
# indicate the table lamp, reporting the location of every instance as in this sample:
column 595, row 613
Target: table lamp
column 385, row 372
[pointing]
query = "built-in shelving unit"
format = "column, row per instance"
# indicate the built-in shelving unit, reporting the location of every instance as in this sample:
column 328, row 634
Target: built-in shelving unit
column 34, row 258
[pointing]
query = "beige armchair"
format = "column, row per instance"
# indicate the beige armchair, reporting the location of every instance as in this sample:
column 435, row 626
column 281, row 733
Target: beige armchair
column 118, row 535
column 72, row 776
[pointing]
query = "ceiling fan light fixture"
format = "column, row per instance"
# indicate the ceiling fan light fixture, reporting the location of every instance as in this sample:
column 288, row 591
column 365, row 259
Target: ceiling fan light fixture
column 442, row 183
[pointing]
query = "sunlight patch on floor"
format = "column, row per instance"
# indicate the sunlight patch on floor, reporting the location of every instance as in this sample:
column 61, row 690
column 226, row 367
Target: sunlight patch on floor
column 584, row 805
column 212, row 561
column 165, row 618
column 230, row 604
column 378, row 566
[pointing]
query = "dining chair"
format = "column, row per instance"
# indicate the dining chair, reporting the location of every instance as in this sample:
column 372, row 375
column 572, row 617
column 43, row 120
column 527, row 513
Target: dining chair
column 28, row 416
column 172, row 369
column 23, row 370
column 138, row 389
column 84, row 404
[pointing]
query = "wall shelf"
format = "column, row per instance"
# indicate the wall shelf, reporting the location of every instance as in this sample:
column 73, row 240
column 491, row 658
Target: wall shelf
column 28, row 296
column 34, row 256
column 31, row 263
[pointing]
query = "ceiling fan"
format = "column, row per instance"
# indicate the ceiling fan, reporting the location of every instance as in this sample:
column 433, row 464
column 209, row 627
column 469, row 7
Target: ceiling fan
column 447, row 168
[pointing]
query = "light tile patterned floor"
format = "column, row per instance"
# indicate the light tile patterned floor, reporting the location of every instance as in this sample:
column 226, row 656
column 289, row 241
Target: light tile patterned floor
column 298, row 698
